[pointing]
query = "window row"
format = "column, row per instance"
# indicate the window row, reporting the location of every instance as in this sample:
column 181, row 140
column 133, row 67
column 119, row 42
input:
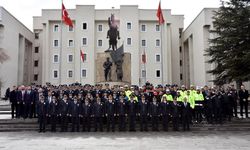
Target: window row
column 100, row 42
column 143, row 27
column 70, row 58
column 70, row 73
column 157, row 73
column 157, row 58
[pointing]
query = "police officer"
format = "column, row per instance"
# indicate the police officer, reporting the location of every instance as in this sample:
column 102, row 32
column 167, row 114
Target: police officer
column 98, row 114
column 243, row 95
column 74, row 113
column 42, row 113
column 86, row 115
column 175, row 115
column 154, row 114
column 121, row 113
column 185, row 114
column 143, row 113
column 132, row 108
column 13, row 101
column 110, row 113
column 64, row 110
column 53, row 113
column 165, row 113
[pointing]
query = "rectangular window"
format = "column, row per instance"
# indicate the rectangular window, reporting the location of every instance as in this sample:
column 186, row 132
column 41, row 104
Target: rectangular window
column 180, row 62
column 157, row 43
column 85, row 57
column 56, row 59
column 129, row 25
column 158, row 58
column 99, row 43
column 99, row 28
column 84, row 73
column 85, row 26
column 180, row 49
column 70, row 73
column 181, row 78
column 56, row 28
column 143, row 43
column 35, row 77
column 143, row 28
column 158, row 73
column 71, row 29
column 36, row 35
column 70, row 58
column 56, row 43
column 71, row 43
column 36, row 49
column 84, row 41
column 143, row 73
column 157, row 28
column 129, row 41
column 55, row 74
column 36, row 63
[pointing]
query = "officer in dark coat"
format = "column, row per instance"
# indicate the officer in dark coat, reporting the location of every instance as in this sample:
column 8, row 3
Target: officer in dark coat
column 86, row 115
column 165, row 113
column 132, row 108
column 28, row 102
column 74, row 113
column 98, row 114
column 175, row 115
column 209, row 101
column 143, row 113
column 186, row 114
column 154, row 114
column 13, row 101
column 121, row 111
column 217, row 107
column 53, row 113
column 42, row 114
column 110, row 113
column 233, row 97
column 243, row 95
column 64, row 113
column 20, row 102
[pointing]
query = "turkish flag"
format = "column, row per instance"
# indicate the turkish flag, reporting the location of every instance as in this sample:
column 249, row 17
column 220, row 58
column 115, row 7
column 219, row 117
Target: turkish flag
column 82, row 55
column 144, row 57
column 160, row 14
column 65, row 17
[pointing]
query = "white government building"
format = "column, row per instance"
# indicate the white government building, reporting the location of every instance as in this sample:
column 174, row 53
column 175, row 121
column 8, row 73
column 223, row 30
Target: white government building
column 43, row 56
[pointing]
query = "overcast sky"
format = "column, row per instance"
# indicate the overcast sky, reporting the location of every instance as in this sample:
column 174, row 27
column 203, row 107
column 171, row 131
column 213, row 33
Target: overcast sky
column 24, row 10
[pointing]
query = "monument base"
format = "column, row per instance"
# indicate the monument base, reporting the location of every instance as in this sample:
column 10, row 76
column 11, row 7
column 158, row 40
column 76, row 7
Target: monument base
column 112, row 84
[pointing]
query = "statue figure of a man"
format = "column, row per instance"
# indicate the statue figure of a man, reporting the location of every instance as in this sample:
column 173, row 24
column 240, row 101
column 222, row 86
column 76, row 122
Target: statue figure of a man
column 107, row 69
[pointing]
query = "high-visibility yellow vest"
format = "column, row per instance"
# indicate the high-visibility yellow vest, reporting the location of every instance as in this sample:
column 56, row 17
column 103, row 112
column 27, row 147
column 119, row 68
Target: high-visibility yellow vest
column 191, row 101
column 199, row 97
column 169, row 97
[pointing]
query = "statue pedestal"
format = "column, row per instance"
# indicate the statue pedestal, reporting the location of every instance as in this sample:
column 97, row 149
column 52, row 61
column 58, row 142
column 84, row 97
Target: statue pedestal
column 112, row 84
column 101, row 58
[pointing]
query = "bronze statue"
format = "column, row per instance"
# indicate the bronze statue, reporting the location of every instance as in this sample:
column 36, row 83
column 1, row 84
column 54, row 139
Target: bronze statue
column 107, row 69
column 113, row 33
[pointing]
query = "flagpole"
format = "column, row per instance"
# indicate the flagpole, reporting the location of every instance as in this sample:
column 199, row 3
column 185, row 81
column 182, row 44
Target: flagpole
column 145, row 66
column 60, row 53
column 80, row 65
column 161, row 42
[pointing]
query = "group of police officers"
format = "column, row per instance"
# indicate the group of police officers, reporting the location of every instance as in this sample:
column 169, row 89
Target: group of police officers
column 83, row 108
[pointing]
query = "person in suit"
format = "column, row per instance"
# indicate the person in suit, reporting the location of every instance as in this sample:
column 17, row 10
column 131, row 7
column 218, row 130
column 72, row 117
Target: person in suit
column 165, row 112
column 74, row 113
column 132, row 110
column 121, row 111
column 20, row 101
column 175, row 115
column 13, row 102
column 42, row 114
column 243, row 95
column 186, row 113
column 143, row 113
column 28, row 102
column 154, row 114
column 53, row 113
column 64, row 113
column 110, row 113
column 86, row 115
column 98, row 114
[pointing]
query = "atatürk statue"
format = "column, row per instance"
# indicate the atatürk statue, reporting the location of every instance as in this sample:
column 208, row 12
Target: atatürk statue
column 107, row 69
column 113, row 33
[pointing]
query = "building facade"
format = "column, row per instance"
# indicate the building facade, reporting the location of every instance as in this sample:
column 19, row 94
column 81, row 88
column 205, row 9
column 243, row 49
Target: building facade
column 139, row 32
column 16, row 41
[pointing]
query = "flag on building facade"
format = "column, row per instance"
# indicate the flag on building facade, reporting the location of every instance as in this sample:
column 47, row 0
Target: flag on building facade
column 65, row 17
column 160, row 14
column 82, row 55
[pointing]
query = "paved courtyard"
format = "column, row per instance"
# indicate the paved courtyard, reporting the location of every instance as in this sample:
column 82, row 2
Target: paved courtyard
column 110, row 141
